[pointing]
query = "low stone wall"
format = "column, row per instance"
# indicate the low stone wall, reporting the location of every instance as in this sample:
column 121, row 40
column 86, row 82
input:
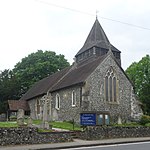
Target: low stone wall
column 103, row 132
column 14, row 136
column 17, row 136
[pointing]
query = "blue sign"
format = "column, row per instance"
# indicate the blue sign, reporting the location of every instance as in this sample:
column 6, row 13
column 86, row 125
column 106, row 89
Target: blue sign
column 88, row 119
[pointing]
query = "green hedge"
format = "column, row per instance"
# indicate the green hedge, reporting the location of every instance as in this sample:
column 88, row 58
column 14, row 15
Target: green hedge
column 145, row 120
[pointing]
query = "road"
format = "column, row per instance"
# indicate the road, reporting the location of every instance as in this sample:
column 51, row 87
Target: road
column 128, row 146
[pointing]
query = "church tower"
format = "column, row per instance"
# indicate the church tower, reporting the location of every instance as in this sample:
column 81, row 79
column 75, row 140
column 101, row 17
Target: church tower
column 96, row 45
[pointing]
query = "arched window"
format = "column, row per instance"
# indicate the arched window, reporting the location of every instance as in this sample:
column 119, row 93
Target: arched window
column 38, row 106
column 73, row 98
column 106, row 88
column 111, row 86
column 114, row 89
column 57, row 104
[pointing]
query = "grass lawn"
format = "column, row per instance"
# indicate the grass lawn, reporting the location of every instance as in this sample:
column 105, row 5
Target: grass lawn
column 61, row 125
column 65, row 125
column 8, row 124
column 37, row 122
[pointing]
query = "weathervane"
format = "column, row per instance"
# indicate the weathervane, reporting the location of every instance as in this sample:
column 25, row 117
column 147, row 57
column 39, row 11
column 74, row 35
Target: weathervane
column 97, row 13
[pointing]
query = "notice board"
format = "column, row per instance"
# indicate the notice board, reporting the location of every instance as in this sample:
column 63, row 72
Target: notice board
column 88, row 119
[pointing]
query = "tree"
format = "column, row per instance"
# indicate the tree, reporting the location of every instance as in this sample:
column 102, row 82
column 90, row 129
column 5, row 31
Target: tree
column 14, row 83
column 9, row 87
column 139, row 73
column 37, row 66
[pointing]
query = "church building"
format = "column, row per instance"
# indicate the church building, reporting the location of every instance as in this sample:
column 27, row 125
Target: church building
column 95, row 82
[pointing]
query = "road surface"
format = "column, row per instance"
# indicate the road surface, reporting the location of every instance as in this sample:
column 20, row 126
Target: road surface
column 127, row 146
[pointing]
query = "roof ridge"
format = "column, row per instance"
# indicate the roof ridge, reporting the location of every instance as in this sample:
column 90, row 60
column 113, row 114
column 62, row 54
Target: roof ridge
column 49, row 80
column 79, row 74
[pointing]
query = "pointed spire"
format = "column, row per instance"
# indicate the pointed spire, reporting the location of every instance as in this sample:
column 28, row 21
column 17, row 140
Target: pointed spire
column 96, row 37
column 96, row 45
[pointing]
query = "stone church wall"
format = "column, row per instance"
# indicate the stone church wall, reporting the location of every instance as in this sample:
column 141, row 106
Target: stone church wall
column 33, row 108
column 91, row 97
column 67, row 112
column 120, row 110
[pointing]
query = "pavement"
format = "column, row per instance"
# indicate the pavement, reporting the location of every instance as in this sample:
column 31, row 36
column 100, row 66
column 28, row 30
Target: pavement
column 75, row 144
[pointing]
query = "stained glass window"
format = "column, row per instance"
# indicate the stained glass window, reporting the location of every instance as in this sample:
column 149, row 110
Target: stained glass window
column 111, row 86
column 114, row 89
column 106, row 88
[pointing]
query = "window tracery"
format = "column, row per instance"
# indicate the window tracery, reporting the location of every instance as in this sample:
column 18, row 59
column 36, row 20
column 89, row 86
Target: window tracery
column 110, row 86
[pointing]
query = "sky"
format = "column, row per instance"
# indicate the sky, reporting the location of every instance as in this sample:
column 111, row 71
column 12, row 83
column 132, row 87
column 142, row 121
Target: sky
column 63, row 26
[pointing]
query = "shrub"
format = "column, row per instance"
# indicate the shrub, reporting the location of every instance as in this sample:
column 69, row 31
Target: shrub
column 129, row 124
column 147, row 124
column 145, row 119
column 13, row 118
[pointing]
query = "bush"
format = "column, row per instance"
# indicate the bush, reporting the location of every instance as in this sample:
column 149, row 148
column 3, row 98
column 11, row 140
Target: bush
column 129, row 124
column 147, row 124
column 145, row 120
column 13, row 118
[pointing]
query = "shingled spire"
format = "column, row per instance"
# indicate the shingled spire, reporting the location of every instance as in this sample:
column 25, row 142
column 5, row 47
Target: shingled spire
column 96, row 37
column 96, row 44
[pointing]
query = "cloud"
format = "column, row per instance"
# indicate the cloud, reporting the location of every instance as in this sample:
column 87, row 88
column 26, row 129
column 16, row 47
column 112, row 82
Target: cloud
column 29, row 25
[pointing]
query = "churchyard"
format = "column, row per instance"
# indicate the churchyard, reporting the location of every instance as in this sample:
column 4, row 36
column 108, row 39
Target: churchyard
column 28, row 131
column 68, row 125
column 36, row 123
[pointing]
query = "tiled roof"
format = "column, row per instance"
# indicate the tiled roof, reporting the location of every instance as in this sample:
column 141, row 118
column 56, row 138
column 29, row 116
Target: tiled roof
column 62, row 79
column 14, row 105
column 78, row 75
column 41, row 87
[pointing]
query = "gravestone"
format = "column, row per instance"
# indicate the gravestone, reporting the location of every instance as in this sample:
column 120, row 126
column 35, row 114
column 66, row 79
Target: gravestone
column 20, row 121
column 20, row 113
column 119, row 120
column 45, row 125
column 20, row 117
column 29, row 122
